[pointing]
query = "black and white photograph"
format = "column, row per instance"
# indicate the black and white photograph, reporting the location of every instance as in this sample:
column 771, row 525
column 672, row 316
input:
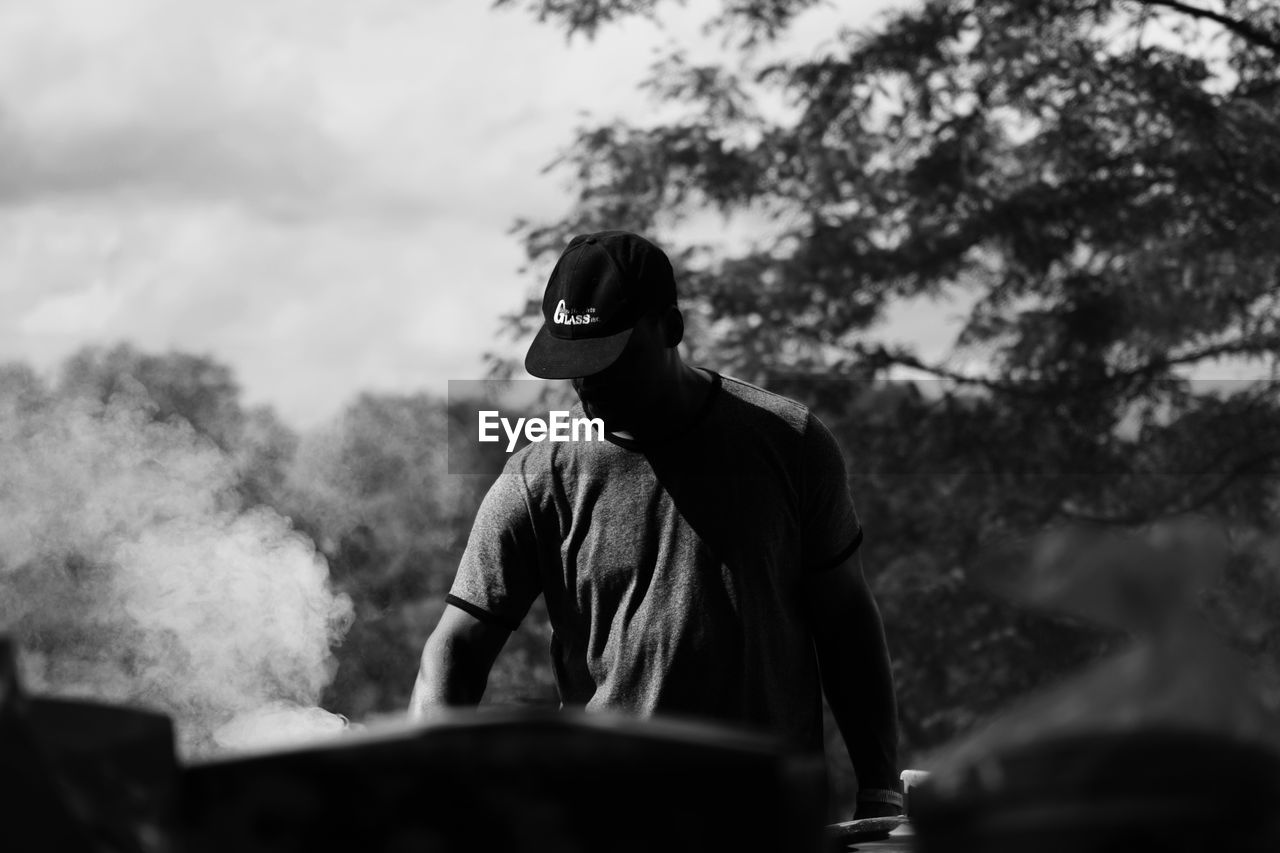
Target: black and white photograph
column 605, row 426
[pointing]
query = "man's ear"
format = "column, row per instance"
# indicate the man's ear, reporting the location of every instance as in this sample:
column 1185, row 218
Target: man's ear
column 672, row 327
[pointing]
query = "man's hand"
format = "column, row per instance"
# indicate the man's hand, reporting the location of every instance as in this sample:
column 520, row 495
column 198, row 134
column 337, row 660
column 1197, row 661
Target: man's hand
column 456, row 661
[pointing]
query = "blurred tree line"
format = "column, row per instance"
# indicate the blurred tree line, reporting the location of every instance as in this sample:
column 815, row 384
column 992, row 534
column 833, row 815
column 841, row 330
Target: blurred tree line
column 1097, row 180
column 371, row 488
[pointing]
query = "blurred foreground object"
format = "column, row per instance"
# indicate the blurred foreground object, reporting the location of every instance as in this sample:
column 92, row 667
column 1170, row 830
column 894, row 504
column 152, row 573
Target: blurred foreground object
column 1171, row 790
column 82, row 776
column 1163, row 746
column 512, row 781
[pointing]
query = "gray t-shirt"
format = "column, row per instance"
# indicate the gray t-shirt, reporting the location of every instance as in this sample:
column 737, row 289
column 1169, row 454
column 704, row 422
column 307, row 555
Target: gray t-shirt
column 672, row 570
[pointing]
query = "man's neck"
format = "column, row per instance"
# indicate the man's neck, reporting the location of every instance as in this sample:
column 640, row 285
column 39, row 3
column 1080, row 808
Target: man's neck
column 687, row 394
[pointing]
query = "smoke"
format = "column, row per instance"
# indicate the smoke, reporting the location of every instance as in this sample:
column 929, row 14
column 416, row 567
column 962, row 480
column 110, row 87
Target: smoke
column 130, row 573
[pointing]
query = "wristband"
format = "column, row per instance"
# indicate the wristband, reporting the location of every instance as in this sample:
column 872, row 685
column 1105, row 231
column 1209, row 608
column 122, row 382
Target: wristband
column 879, row 795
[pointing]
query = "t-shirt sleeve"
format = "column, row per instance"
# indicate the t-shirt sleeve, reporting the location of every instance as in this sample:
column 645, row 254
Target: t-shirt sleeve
column 497, row 580
column 831, row 531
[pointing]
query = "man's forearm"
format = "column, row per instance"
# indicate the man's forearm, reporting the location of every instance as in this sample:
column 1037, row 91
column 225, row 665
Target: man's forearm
column 450, row 674
column 866, row 712
column 857, row 679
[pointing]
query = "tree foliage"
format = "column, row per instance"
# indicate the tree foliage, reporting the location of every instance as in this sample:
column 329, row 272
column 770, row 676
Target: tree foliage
column 195, row 388
column 1094, row 173
column 1096, row 181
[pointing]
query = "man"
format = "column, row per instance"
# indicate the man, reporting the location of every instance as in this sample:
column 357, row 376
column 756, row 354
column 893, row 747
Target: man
column 700, row 562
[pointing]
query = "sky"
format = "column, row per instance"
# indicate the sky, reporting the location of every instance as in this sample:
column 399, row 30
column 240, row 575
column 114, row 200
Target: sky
column 318, row 193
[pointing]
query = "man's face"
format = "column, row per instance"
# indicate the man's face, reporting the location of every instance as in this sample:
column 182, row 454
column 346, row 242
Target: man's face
column 623, row 393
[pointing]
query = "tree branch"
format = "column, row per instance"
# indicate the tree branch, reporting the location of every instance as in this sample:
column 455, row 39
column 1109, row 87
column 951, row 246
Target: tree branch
column 1259, row 346
column 884, row 358
column 1171, row 507
column 880, row 357
column 1244, row 29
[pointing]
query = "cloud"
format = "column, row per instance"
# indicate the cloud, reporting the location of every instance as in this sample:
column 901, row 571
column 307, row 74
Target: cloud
column 307, row 313
column 168, row 101
column 296, row 109
column 316, row 192
column 91, row 309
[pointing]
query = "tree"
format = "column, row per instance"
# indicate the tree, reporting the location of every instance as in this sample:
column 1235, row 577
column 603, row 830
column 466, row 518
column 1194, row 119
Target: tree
column 264, row 454
column 196, row 388
column 21, row 390
column 1096, row 179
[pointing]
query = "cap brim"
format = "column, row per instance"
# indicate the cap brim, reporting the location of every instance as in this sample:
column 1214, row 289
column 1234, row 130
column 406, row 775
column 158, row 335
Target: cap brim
column 550, row 357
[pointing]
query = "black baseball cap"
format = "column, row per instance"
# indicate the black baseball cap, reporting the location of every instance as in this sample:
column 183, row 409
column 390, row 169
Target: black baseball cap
column 600, row 288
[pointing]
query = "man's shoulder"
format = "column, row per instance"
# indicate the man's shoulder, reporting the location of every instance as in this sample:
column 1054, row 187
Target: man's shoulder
column 753, row 402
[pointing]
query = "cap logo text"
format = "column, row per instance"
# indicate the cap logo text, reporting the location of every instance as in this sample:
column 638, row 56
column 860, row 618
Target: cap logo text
column 564, row 317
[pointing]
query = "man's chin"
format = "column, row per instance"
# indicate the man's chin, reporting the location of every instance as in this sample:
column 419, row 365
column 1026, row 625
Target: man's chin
column 613, row 419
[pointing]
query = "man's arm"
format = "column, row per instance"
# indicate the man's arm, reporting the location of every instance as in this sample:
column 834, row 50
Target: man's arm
column 456, row 661
column 857, row 679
